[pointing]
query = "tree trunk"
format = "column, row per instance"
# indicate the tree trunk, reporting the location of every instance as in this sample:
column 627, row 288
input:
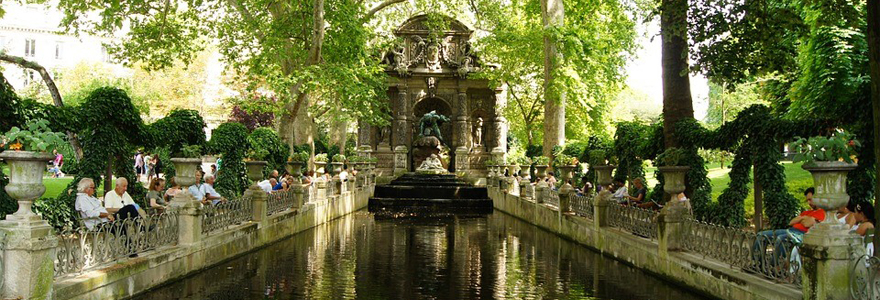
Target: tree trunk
column 677, row 102
column 53, row 90
column 108, row 175
column 874, row 64
column 553, row 15
column 759, row 201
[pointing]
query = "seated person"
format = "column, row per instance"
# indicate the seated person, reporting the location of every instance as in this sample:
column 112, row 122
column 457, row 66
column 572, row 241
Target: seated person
column 154, row 195
column 551, row 180
column 641, row 192
column 620, row 192
column 864, row 216
column 196, row 190
column 173, row 191
column 119, row 202
column 89, row 207
column 207, row 189
column 280, row 185
column 786, row 238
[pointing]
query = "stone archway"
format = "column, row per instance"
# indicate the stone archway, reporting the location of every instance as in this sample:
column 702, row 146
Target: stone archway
column 442, row 107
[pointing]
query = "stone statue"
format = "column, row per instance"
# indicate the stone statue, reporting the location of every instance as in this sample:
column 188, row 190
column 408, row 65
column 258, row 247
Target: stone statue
column 432, row 56
column 400, row 62
column 431, row 163
column 465, row 60
column 430, row 123
column 478, row 132
column 385, row 135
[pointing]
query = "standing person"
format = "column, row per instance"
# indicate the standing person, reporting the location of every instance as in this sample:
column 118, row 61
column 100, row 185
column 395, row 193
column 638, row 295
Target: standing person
column 138, row 164
column 148, row 160
column 57, row 163
column 157, row 165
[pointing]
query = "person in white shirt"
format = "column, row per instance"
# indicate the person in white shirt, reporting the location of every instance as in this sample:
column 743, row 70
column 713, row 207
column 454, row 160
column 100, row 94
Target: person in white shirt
column 267, row 185
column 118, row 199
column 343, row 176
column 620, row 194
column 89, row 207
column 208, row 190
column 196, row 189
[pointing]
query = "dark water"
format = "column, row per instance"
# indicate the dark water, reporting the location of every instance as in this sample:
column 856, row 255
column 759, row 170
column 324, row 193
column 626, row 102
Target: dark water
column 493, row 257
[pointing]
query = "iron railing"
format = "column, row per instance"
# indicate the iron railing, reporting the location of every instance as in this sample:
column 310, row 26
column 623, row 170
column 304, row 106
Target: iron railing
column 776, row 257
column 641, row 222
column 582, row 204
column 865, row 278
column 81, row 248
column 225, row 214
column 551, row 197
column 280, row 201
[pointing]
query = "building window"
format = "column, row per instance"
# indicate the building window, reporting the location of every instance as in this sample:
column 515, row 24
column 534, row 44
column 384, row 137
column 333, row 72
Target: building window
column 105, row 55
column 30, row 47
column 28, row 77
column 59, row 47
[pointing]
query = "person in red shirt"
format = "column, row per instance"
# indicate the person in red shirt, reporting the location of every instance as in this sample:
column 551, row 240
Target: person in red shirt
column 784, row 239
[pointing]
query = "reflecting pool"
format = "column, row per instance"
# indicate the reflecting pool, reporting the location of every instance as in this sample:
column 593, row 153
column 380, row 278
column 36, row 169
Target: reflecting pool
column 365, row 257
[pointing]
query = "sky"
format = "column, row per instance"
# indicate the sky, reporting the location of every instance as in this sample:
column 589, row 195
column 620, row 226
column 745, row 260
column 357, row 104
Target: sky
column 644, row 73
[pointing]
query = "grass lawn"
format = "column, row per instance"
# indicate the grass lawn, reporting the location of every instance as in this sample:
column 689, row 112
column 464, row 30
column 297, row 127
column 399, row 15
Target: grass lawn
column 54, row 186
column 796, row 179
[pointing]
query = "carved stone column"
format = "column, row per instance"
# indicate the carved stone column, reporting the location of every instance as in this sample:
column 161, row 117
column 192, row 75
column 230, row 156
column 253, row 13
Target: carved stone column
column 401, row 126
column 365, row 137
column 499, row 126
column 400, row 160
column 462, row 134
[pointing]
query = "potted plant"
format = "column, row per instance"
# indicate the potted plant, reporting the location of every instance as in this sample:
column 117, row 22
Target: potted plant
column 296, row 161
column 255, row 164
column 599, row 162
column 28, row 151
column 525, row 165
column 828, row 159
column 186, row 162
column 338, row 161
column 490, row 166
column 541, row 165
column 320, row 162
column 566, row 165
column 356, row 162
column 670, row 163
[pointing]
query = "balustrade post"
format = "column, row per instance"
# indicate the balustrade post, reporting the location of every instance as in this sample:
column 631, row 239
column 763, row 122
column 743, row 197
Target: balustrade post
column 671, row 228
column 321, row 193
column 259, row 200
column 602, row 208
column 298, row 200
column 524, row 190
column 190, row 219
column 539, row 192
column 828, row 254
column 565, row 198
column 28, row 254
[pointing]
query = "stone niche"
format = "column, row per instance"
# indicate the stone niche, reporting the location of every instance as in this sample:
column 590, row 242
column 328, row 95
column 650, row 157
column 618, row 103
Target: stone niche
column 431, row 70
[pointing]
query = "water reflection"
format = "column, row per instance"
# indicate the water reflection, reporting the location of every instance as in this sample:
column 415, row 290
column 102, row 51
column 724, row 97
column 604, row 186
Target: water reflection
column 494, row 257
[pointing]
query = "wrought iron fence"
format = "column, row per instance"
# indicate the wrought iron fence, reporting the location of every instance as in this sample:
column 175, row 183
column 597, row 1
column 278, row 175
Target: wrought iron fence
column 582, row 204
column 551, row 197
column 641, row 222
column 865, row 278
column 280, row 201
column 80, row 249
column 775, row 256
column 225, row 214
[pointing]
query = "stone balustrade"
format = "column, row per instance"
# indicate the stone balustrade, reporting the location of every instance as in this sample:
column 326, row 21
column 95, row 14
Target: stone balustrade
column 186, row 238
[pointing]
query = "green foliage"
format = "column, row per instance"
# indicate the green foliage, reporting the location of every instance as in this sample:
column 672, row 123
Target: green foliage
column 266, row 139
column 35, row 137
column 168, row 169
column 840, row 146
column 563, row 159
column 671, row 157
column 59, row 212
column 227, row 140
column 598, row 158
column 634, row 142
column 338, row 158
column 7, row 204
column 321, row 157
column 190, row 151
column 180, row 127
column 301, row 156
column 541, row 160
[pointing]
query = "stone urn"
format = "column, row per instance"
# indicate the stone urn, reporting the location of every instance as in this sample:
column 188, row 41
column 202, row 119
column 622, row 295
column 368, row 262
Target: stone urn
column 566, row 172
column 829, row 178
column 319, row 167
column 490, row 171
column 541, row 171
column 673, row 178
column 255, row 169
column 296, row 168
column 514, row 170
column 525, row 171
column 337, row 167
column 26, row 170
column 185, row 169
column 603, row 174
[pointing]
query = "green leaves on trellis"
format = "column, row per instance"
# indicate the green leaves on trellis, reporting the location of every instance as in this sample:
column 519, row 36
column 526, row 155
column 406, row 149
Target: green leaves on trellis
column 227, row 140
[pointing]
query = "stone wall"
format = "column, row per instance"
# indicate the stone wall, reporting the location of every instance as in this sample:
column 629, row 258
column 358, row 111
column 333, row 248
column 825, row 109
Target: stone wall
column 132, row 276
column 695, row 272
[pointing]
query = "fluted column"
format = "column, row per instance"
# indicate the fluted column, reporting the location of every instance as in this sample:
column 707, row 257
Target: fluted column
column 365, row 136
column 499, row 126
column 401, row 127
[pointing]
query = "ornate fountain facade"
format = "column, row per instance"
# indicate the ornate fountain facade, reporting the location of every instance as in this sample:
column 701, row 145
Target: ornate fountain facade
column 432, row 70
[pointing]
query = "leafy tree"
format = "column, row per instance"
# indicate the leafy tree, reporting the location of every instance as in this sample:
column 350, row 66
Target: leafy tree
column 227, row 140
column 724, row 104
column 265, row 140
column 179, row 128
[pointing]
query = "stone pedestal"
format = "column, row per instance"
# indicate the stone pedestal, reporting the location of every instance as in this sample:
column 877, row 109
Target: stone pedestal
column 539, row 192
column 462, row 159
column 259, row 199
column 670, row 224
column 601, row 205
column 828, row 252
column 565, row 198
column 400, row 159
column 28, row 261
column 189, row 221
